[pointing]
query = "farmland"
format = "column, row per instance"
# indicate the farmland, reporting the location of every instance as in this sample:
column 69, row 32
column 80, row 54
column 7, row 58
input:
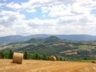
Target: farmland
column 6, row 65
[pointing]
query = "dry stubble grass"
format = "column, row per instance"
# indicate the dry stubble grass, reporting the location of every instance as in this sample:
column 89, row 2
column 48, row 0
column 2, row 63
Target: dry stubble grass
column 46, row 66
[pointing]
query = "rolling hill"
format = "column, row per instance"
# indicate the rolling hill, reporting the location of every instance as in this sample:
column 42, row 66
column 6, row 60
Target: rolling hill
column 55, row 46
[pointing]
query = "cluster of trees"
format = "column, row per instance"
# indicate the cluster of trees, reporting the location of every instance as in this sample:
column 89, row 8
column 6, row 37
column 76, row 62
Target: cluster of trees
column 27, row 55
column 35, row 56
column 7, row 55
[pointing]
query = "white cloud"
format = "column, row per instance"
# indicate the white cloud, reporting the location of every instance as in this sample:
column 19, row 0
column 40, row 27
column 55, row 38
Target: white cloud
column 14, row 5
column 32, row 4
column 55, row 10
column 9, row 21
column 2, row 3
column 62, row 25
column 5, row 31
column 64, row 17
column 35, row 23
column 10, row 18
column 36, row 3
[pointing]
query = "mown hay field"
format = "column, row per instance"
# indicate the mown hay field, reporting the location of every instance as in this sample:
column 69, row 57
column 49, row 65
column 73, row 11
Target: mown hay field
column 46, row 66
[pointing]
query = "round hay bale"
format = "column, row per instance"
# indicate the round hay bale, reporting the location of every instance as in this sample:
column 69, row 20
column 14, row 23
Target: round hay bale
column 18, row 58
column 52, row 58
column 93, row 61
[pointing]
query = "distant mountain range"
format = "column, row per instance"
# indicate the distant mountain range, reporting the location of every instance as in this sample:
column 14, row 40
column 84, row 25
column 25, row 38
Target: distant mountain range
column 17, row 38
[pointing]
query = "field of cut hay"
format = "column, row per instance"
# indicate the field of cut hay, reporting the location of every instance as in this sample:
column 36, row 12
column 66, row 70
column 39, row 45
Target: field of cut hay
column 46, row 66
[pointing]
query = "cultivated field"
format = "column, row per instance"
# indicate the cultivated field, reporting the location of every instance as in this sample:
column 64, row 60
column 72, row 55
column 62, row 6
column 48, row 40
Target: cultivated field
column 46, row 66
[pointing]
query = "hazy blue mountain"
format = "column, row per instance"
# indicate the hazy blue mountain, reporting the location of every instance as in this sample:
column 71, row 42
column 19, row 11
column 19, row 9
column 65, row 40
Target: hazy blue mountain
column 38, row 36
column 17, row 38
column 12, row 39
column 68, row 37
column 77, row 37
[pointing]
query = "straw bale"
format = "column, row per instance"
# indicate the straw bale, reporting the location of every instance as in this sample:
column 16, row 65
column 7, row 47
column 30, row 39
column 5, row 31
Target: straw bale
column 52, row 58
column 18, row 58
column 93, row 61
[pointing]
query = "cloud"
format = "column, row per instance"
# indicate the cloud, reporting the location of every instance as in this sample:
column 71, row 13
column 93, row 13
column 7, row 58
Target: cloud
column 78, row 7
column 59, row 17
column 10, row 18
column 18, row 25
column 31, row 5
column 14, row 5
column 2, row 3
column 67, row 1
column 39, row 22
column 36, row 3
column 5, row 31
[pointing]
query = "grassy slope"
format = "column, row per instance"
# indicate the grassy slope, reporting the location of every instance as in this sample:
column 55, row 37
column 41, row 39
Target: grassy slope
column 58, row 48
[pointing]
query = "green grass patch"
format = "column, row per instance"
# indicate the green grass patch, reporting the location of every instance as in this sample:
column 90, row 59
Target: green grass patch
column 84, row 47
column 94, row 43
column 81, row 61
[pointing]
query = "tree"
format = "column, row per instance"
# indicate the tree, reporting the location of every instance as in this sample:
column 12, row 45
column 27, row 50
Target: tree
column 85, row 58
column 45, row 57
column 57, row 58
column 25, row 55
column 61, row 59
column 36, row 56
column 1, row 54
column 10, row 54
column 6, row 55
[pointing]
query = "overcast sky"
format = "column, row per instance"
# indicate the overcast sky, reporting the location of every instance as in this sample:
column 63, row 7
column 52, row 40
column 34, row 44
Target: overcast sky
column 28, row 17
